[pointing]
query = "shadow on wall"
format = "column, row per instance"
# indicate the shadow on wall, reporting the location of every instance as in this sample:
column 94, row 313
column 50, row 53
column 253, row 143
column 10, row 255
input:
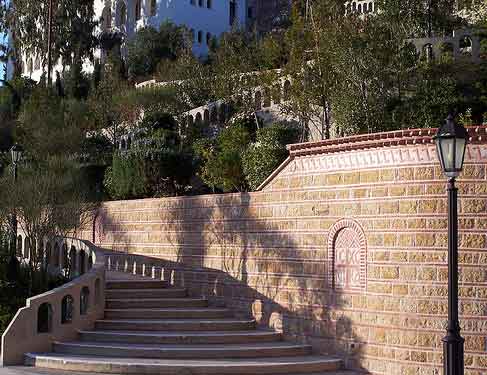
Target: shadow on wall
column 220, row 249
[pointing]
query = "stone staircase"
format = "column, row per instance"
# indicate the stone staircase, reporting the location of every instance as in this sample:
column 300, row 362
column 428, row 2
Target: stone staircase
column 152, row 328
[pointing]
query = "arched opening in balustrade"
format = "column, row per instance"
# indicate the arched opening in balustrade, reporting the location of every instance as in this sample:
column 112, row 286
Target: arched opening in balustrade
column 276, row 94
column 67, row 309
column 465, row 45
column 371, row 7
column 55, row 262
column 72, row 262
column 26, row 247
column 287, row 91
column 84, row 300
column 65, row 259
column 190, row 120
column 359, row 8
column 198, row 119
column 106, row 18
column 354, row 6
column 222, row 113
column 90, row 262
column 428, row 52
column 98, row 298
column 206, row 117
column 19, row 246
column 258, row 101
column 44, row 318
column 123, row 145
column 138, row 9
column 121, row 14
column 213, row 115
column 129, row 143
column 267, row 97
column 82, row 262
column 49, row 260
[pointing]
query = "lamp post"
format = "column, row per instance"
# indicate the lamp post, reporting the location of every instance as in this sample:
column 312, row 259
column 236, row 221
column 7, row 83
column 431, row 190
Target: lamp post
column 16, row 153
column 451, row 142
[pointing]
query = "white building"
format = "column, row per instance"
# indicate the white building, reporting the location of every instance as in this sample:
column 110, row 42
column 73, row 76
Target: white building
column 205, row 18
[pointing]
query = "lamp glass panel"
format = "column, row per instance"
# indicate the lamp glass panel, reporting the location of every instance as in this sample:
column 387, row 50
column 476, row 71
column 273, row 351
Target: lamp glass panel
column 447, row 148
column 460, row 153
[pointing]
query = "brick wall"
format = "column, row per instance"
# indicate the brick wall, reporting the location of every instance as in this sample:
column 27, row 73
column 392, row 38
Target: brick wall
column 344, row 247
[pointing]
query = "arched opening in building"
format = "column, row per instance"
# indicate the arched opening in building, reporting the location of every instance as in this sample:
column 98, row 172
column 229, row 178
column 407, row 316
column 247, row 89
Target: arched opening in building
column 44, row 318
column 67, row 309
column 84, row 300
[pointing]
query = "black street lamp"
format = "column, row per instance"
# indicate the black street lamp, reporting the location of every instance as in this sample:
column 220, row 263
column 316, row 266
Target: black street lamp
column 16, row 153
column 451, row 141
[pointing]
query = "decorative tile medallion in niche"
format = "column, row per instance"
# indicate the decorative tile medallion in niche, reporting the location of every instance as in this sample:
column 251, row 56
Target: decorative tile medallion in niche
column 347, row 256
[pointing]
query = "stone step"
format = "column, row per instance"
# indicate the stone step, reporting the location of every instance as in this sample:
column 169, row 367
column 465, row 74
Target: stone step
column 169, row 313
column 146, row 293
column 131, row 303
column 207, row 351
column 268, row 366
column 136, row 284
column 175, row 325
column 191, row 337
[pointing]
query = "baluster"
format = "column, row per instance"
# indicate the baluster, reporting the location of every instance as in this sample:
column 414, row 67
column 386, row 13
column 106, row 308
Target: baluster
column 153, row 272
column 117, row 266
column 143, row 269
column 162, row 274
column 109, row 264
column 126, row 266
column 134, row 269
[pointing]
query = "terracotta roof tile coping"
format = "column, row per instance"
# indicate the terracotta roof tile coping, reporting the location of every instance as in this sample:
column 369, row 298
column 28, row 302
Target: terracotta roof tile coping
column 478, row 134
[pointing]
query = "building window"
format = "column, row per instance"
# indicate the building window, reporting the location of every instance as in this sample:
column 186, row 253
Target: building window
column 138, row 10
column 200, row 3
column 233, row 12
column 208, row 38
column 208, row 4
column 153, row 7
column 250, row 12
column 200, row 37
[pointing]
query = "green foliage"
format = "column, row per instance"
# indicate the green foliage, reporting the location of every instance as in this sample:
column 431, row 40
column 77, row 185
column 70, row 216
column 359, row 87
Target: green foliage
column 142, row 173
column 267, row 153
column 222, row 160
column 150, row 46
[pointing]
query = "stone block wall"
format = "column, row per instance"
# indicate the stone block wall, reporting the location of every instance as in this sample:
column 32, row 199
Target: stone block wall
column 345, row 247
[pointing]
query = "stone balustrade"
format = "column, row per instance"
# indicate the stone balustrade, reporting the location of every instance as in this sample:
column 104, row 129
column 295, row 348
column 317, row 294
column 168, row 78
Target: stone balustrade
column 61, row 312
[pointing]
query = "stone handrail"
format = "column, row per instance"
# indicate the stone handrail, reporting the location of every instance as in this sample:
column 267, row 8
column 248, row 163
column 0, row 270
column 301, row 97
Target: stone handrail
column 53, row 315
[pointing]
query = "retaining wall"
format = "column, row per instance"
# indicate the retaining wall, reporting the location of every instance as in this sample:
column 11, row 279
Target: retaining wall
column 345, row 247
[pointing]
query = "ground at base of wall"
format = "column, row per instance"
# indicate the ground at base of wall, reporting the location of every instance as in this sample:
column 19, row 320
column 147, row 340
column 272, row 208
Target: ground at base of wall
column 23, row 370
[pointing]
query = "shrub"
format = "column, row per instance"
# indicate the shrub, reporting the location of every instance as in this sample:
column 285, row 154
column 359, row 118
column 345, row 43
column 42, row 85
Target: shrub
column 263, row 156
column 222, row 160
column 142, row 173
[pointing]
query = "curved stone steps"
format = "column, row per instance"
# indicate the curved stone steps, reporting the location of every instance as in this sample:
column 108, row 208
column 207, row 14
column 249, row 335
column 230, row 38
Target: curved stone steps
column 175, row 325
column 205, row 351
column 191, row 337
column 151, row 303
column 269, row 366
column 136, row 284
column 168, row 313
column 145, row 293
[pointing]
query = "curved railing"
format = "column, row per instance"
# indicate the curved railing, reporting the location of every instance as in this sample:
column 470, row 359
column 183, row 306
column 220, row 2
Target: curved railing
column 60, row 313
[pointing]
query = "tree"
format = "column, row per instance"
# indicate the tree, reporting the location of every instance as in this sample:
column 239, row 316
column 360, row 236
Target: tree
column 73, row 29
column 50, row 198
column 150, row 46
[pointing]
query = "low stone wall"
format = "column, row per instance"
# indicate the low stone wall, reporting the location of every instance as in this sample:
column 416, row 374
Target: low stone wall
column 344, row 247
column 58, row 314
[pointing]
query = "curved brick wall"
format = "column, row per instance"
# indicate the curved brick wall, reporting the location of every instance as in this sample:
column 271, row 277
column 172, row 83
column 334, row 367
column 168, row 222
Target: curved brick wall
column 344, row 247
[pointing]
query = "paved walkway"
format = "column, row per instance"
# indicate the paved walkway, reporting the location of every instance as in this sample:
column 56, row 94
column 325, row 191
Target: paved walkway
column 37, row 371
